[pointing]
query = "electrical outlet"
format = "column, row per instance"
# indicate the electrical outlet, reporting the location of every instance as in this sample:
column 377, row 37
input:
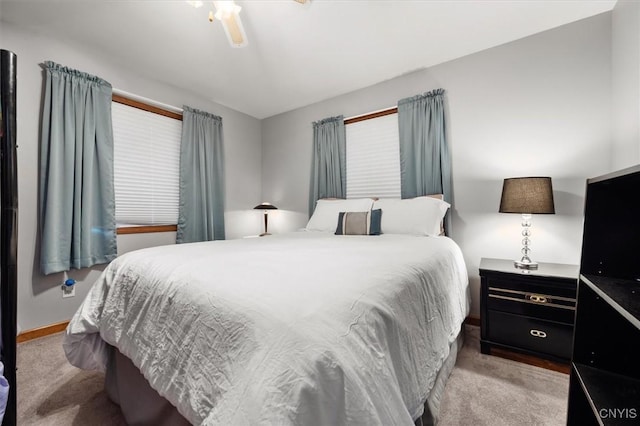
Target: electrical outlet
column 68, row 291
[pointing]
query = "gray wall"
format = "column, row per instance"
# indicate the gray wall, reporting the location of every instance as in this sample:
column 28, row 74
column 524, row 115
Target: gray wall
column 625, row 70
column 39, row 298
column 537, row 106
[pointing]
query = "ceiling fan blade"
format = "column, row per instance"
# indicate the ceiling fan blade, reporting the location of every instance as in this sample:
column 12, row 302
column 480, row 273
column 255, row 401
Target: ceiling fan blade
column 235, row 31
column 228, row 13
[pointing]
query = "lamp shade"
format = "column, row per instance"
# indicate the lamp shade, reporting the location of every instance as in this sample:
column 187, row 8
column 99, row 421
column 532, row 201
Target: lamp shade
column 265, row 206
column 528, row 195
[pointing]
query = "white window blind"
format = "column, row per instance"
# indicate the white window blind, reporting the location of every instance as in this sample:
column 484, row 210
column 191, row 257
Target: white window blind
column 146, row 166
column 373, row 158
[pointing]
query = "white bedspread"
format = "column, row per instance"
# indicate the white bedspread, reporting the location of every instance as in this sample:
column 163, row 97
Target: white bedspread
column 303, row 328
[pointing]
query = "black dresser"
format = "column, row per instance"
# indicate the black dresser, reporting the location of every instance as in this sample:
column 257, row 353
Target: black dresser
column 528, row 311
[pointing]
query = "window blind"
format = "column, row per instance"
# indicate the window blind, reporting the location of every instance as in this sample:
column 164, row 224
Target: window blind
column 373, row 158
column 146, row 166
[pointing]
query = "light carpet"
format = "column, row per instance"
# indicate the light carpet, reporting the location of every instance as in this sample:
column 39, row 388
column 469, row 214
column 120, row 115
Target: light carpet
column 482, row 390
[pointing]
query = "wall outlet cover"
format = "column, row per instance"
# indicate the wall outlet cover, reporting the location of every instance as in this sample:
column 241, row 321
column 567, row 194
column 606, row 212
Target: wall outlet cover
column 68, row 291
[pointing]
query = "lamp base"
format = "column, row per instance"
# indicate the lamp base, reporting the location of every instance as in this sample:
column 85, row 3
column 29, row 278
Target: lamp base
column 264, row 234
column 525, row 265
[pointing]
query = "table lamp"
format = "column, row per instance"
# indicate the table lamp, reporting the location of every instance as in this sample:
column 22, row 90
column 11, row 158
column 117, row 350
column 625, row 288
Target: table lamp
column 527, row 196
column 266, row 207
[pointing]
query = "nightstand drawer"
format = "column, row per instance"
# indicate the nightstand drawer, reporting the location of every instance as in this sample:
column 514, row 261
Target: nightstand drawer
column 530, row 333
column 561, row 288
column 534, row 304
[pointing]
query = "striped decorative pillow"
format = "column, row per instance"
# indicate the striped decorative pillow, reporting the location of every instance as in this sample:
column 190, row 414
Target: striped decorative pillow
column 359, row 223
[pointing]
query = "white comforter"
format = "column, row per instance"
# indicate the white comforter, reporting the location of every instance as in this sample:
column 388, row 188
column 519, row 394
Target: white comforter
column 305, row 328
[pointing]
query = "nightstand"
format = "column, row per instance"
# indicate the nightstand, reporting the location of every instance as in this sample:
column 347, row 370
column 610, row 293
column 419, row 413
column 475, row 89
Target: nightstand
column 528, row 311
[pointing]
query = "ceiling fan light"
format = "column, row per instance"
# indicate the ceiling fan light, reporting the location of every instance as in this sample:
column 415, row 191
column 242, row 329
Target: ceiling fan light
column 225, row 9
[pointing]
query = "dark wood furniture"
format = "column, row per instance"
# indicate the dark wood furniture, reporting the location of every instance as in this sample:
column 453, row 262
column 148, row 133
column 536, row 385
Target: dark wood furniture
column 528, row 311
column 605, row 370
column 8, row 227
column 604, row 384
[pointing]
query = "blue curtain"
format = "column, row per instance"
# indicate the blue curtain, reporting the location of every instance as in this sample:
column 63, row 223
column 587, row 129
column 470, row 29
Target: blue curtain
column 329, row 162
column 201, row 214
column 77, row 201
column 425, row 164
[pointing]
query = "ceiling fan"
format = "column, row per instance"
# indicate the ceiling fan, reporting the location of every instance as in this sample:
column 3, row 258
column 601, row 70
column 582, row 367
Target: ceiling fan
column 228, row 12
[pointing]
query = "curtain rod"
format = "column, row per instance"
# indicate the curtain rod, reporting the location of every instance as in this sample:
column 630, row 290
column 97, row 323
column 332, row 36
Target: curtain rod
column 147, row 101
column 369, row 115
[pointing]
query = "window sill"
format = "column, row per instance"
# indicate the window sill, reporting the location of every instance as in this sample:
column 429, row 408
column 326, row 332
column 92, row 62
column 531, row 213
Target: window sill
column 146, row 229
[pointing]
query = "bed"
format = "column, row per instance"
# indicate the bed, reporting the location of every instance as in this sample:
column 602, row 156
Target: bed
column 305, row 328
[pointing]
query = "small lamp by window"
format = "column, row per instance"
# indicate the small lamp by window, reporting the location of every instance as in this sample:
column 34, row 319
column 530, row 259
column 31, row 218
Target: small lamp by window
column 265, row 207
column 527, row 196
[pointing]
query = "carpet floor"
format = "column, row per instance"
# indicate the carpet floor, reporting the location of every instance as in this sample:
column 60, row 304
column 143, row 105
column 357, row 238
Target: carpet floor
column 482, row 390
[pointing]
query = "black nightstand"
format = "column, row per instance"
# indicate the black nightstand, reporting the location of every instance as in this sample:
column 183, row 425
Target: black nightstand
column 528, row 311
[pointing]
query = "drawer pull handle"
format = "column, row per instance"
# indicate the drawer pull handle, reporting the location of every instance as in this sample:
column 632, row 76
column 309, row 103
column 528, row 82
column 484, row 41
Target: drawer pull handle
column 537, row 298
column 538, row 333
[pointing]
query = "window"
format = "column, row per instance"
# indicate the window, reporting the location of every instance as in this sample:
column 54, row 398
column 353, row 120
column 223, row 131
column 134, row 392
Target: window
column 146, row 164
column 373, row 156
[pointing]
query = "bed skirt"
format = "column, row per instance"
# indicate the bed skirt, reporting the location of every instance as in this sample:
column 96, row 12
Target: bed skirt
column 143, row 406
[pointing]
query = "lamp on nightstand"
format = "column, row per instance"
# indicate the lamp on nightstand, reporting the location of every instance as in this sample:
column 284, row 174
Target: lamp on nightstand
column 265, row 207
column 527, row 196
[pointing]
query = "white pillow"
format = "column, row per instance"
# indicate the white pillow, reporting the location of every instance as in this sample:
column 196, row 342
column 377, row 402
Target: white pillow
column 325, row 215
column 414, row 216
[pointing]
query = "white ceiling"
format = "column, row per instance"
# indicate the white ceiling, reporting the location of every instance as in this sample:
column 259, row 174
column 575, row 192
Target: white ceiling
column 297, row 54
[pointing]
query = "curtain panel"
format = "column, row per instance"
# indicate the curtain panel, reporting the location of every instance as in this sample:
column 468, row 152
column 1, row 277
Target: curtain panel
column 425, row 164
column 201, row 210
column 77, row 200
column 329, row 161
